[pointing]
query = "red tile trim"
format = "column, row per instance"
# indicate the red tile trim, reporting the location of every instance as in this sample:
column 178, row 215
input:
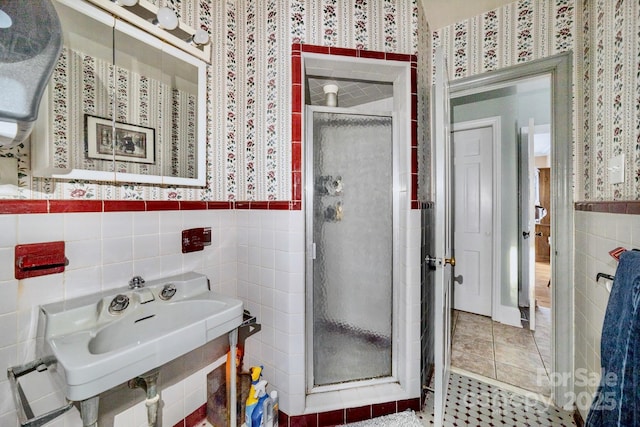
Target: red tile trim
column 259, row 205
column 413, row 404
column 296, row 69
column 295, row 206
column 23, row 206
column 163, row 205
column 315, row 49
column 629, row 207
column 308, row 420
column 196, row 416
column 296, row 47
column 296, row 182
column 331, row 418
column 347, row 415
column 373, row 54
column 192, row 205
column 124, row 205
column 380, row 409
column 279, row 206
column 243, row 205
column 390, row 56
column 296, row 127
column 414, row 186
column 341, row 51
column 416, row 204
column 360, row 413
column 414, row 160
column 220, row 205
column 67, row 206
column 296, row 98
column 296, row 157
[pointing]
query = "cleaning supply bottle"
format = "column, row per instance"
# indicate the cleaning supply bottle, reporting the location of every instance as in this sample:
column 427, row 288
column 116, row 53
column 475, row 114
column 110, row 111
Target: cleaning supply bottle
column 257, row 395
column 270, row 411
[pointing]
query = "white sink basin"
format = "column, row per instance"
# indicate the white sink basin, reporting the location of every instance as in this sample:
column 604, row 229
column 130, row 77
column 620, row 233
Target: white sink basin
column 97, row 349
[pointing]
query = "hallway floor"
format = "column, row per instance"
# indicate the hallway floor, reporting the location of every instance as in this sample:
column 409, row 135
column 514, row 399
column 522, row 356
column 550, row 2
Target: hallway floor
column 475, row 403
column 505, row 353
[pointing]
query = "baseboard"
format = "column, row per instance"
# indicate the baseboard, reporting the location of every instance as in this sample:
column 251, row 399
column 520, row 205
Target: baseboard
column 508, row 315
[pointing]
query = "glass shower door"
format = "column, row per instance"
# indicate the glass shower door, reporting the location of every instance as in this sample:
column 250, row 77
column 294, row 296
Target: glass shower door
column 350, row 227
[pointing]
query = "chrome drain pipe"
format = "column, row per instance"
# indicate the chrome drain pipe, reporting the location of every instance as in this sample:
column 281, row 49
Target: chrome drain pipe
column 148, row 382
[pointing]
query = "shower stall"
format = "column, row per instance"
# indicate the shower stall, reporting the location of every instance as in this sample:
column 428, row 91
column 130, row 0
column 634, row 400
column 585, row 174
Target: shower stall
column 351, row 233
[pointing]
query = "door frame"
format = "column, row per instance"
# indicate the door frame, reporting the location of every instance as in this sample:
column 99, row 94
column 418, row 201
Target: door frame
column 494, row 123
column 560, row 68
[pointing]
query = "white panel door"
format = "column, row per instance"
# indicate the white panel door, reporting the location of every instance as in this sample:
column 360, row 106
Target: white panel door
column 442, row 236
column 473, row 217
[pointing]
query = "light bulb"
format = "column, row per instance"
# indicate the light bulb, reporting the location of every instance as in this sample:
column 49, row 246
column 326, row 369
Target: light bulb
column 125, row 2
column 166, row 18
column 200, row 37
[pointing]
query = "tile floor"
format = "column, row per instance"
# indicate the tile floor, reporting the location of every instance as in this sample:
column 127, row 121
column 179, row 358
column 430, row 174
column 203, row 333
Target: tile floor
column 474, row 403
column 512, row 355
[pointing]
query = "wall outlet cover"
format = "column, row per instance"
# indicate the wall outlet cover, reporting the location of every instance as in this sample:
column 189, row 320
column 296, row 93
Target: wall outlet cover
column 616, row 169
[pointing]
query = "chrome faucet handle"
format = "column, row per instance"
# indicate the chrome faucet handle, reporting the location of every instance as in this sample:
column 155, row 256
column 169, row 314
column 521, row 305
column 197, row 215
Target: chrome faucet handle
column 136, row 282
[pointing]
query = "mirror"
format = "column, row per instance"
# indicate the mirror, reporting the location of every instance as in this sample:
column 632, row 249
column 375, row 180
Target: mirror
column 122, row 105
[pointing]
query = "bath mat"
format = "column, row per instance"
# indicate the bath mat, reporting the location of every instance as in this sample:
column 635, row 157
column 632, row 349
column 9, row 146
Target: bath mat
column 401, row 419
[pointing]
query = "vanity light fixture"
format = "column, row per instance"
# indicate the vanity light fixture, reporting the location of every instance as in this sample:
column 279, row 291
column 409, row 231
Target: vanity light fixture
column 125, row 2
column 166, row 18
column 201, row 37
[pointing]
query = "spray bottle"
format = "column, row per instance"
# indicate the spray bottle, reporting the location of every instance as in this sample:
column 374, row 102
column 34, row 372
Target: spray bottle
column 257, row 395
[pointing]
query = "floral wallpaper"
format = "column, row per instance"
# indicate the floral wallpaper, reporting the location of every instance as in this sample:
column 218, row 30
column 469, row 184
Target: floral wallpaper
column 248, row 99
column 605, row 38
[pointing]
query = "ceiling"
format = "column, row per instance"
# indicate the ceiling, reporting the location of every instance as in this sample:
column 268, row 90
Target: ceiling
column 441, row 13
column 351, row 93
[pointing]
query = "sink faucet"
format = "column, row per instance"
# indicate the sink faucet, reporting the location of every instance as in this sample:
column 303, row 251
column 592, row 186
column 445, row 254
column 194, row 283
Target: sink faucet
column 136, row 282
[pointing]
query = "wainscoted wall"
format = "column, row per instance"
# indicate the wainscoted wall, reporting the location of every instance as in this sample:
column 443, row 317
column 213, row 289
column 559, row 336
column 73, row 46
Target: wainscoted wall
column 596, row 234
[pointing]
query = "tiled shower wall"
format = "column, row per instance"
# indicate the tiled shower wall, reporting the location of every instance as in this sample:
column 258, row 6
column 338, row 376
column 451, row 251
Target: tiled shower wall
column 596, row 234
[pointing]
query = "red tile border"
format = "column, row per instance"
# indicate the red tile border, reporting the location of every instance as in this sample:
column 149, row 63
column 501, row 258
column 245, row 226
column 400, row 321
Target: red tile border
column 163, row 205
column 372, row 54
column 360, row 413
column 196, row 416
column 628, row 207
column 296, row 127
column 296, row 69
column 124, row 205
column 279, row 206
column 296, row 183
column 295, row 205
column 312, row 48
column 243, row 205
column 23, row 206
column 380, row 409
column 413, row 404
column 308, row 420
column 70, row 206
column 296, row 98
column 296, row 47
column 390, row 56
column 342, row 51
column 296, row 157
column 192, row 205
column 283, row 419
column 220, row 205
column 331, row 418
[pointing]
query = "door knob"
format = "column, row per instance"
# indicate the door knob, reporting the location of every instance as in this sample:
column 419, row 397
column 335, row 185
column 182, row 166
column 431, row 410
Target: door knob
column 450, row 261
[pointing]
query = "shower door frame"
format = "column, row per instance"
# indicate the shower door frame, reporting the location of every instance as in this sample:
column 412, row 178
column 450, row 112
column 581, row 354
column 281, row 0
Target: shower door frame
column 309, row 224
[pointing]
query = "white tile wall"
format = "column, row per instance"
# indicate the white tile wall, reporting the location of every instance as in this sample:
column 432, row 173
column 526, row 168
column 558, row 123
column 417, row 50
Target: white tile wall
column 596, row 235
column 104, row 250
column 257, row 256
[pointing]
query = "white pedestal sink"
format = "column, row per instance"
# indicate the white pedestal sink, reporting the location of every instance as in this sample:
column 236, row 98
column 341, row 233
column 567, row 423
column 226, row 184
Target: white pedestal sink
column 98, row 348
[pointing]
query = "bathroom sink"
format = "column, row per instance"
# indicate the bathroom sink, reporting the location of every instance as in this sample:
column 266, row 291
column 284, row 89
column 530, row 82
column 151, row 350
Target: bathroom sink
column 105, row 339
